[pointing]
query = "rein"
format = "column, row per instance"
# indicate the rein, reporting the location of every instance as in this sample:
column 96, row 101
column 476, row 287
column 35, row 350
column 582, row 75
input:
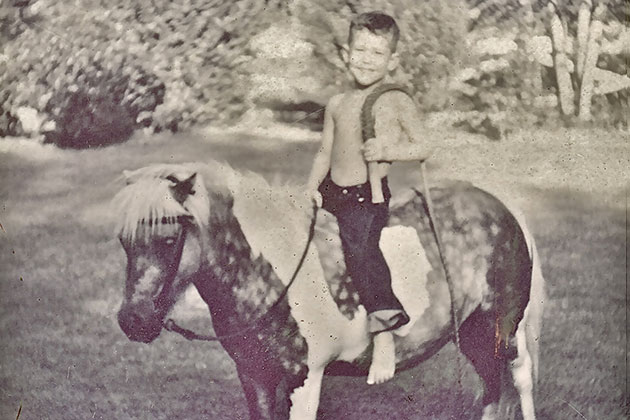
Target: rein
column 170, row 324
column 447, row 275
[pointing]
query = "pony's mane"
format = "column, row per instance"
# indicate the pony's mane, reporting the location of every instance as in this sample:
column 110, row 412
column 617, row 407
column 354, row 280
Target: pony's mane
column 148, row 199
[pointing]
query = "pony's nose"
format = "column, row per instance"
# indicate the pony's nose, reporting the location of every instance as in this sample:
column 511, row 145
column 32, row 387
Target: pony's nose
column 133, row 319
column 138, row 325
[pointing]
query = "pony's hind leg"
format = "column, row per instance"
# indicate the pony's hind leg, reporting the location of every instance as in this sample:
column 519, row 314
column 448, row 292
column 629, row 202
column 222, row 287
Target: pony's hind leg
column 477, row 343
column 515, row 375
column 507, row 376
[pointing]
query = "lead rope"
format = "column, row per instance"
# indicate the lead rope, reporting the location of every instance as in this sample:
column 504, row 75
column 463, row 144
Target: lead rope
column 170, row 324
column 449, row 281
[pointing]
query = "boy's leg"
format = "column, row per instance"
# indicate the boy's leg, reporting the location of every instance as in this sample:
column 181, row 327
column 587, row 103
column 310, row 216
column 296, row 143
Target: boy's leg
column 386, row 311
column 360, row 232
column 382, row 321
column 383, row 364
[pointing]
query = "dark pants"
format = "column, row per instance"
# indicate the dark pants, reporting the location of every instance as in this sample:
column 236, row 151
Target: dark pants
column 360, row 224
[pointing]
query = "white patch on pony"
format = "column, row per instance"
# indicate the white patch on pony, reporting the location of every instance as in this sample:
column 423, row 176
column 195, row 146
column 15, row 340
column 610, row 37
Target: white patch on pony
column 278, row 229
column 409, row 268
column 490, row 412
column 305, row 399
column 146, row 284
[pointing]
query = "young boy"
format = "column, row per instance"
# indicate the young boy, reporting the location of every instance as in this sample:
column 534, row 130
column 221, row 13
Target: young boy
column 345, row 165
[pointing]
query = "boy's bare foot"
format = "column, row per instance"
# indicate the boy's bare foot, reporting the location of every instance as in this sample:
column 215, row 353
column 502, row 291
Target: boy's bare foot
column 383, row 358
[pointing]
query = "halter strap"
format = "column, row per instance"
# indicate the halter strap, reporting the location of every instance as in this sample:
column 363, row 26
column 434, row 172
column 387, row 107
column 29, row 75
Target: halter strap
column 170, row 324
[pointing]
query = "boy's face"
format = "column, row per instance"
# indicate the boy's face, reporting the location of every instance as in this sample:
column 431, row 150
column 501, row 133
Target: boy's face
column 370, row 57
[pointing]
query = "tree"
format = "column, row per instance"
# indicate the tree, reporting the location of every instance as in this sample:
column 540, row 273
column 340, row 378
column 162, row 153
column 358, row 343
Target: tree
column 572, row 46
column 575, row 64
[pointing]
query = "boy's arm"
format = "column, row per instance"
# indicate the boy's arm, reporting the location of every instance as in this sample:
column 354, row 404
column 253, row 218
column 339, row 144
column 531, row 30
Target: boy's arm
column 396, row 118
column 321, row 164
column 387, row 131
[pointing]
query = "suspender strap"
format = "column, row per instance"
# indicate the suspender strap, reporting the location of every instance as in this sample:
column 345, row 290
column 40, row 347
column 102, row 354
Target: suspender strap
column 367, row 130
column 367, row 117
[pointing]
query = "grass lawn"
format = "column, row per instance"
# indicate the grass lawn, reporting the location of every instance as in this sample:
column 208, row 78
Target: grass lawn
column 63, row 356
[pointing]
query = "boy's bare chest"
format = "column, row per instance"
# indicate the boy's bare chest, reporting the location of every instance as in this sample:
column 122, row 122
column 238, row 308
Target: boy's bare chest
column 348, row 130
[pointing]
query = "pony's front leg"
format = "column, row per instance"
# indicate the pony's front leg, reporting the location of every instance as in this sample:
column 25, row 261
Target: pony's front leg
column 305, row 399
column 260, row 396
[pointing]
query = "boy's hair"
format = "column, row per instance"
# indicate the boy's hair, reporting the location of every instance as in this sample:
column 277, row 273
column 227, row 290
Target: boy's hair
column 378, row 23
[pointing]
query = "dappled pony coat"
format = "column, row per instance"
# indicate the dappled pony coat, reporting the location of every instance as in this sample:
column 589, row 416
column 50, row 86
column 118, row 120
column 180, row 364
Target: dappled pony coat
column 240, row 241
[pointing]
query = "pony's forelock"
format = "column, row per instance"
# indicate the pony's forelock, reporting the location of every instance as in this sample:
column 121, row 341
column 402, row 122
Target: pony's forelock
column 147, row 200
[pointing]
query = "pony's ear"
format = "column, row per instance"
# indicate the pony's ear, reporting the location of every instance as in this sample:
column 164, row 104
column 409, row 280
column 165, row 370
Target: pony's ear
column 182, row 189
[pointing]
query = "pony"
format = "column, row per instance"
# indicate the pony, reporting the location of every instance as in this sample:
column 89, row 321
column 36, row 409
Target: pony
column 283, row 306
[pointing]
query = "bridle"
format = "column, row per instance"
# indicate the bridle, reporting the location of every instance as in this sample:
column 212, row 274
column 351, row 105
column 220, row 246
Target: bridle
column 183, row 221
column 171, row 325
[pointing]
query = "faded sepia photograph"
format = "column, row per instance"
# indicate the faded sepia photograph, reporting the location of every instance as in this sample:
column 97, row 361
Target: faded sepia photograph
column 314, row 209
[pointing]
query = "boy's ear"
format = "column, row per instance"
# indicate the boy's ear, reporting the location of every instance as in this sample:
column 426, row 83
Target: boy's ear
column 394, row 61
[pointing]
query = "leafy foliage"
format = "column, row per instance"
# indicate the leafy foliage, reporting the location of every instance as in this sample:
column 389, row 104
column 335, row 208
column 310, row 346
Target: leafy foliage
column 502, row 89
column 527, row 79
column 14, row 18
column 100, row 70
column 104, row 71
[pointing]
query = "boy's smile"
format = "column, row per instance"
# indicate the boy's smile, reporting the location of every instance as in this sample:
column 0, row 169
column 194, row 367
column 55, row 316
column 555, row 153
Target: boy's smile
column 370, row 58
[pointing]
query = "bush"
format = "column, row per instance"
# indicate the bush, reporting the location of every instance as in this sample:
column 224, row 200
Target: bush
column 14, row 18
column 499, row 91
column 103, row 72
column 86, row 122
column 94, row 98
column 8, row 122
column 90, row 86
column 102, row 108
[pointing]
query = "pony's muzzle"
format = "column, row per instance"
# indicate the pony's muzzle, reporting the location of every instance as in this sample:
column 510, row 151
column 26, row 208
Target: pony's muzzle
column 139, row 323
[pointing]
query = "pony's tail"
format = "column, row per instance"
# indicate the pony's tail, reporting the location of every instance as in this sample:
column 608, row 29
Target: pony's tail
column 525, row 370
column 532, row 318
column 534, row 311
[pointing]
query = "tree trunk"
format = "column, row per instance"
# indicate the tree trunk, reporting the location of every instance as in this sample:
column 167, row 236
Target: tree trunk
column 590, row 62
column 561, row 64
column 583, row 25
column 532, row 30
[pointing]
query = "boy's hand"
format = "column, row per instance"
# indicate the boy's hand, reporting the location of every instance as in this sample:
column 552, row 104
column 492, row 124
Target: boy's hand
column 314, row 196
column 317, row 198
column 374, row 150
